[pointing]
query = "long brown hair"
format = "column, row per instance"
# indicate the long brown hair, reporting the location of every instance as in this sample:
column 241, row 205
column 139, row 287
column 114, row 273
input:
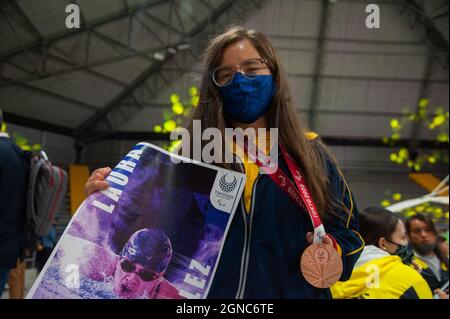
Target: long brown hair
column 280, row 115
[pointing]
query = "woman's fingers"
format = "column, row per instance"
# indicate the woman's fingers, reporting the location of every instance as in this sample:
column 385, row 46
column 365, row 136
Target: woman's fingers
column 309, row 237
column 441, row 294
column 101, row 172
column 325, row 240
column 94, row 186
column 96, row 181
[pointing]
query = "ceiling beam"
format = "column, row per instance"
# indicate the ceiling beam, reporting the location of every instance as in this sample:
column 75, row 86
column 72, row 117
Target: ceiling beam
column 25, row 19
column 53, row 95
column 318, row 64
column 329, row 140
column 114, row 114
column 70, row 32
column 71, row 67
column 152, row 136
column 430, row 34
column 37, row 124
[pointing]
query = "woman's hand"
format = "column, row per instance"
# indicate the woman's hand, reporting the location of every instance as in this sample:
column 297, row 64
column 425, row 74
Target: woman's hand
column 325, row 240
column 441, row 294
column 96, row 181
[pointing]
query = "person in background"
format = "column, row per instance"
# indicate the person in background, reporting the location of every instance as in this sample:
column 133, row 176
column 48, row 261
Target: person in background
column 16, row 280
column 48, row 243
column 443, row 245
column 383, row 270
column 14, row 172
column 424, row 239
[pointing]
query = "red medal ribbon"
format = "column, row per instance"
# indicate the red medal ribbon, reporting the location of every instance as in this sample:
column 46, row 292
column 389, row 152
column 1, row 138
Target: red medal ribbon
column 320, row 264
column 300, row 195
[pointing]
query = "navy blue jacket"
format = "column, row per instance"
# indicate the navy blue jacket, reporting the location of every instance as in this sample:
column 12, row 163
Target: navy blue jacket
column 261, row 254
column 14, row 171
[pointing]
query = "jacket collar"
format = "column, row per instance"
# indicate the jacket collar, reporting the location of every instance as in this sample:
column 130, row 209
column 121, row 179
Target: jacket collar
column 370, row 252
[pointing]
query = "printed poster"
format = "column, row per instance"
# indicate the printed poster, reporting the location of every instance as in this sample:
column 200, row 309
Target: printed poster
column 156, row 233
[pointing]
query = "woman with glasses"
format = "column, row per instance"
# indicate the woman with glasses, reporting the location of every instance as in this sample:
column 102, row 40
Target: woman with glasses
column 276, row 246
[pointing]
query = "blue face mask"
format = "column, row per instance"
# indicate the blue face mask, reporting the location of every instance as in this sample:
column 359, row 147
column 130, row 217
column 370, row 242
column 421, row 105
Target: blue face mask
column 246, row 100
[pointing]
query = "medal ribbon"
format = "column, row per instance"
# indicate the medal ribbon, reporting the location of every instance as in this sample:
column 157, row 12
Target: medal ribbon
column 300, row 195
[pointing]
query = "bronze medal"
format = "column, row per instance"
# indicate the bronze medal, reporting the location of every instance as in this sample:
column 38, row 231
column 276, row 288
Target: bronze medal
column 321, row 265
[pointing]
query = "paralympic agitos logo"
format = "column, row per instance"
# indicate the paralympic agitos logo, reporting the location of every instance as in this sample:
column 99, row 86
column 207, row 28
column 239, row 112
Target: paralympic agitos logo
column 227, row 186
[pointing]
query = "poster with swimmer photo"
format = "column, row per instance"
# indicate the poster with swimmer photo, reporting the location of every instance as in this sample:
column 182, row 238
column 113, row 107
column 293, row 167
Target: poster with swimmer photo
column 156, row 233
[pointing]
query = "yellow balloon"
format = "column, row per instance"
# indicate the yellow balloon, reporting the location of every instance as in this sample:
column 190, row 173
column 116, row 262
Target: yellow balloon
column 424, row 102
column 395, row 123
column 174, row 98
column 170, row 125
column 439, row 120
column 432, row 160
column 409, row 214
column 403, row 153
column 195, row 100
column 385, row 203
column 443, row 137
column 178, row 108
column 438, row 215
column 193, row 91
column 420, row 209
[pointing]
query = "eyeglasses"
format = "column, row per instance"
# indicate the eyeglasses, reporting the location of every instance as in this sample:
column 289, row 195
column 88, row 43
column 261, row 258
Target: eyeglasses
column 145, row 275
column 222, row 76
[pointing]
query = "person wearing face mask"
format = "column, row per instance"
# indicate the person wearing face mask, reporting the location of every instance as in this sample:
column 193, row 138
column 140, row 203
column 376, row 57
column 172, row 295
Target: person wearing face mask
column 243, row 85
column 383, row 271
column 424, row 239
